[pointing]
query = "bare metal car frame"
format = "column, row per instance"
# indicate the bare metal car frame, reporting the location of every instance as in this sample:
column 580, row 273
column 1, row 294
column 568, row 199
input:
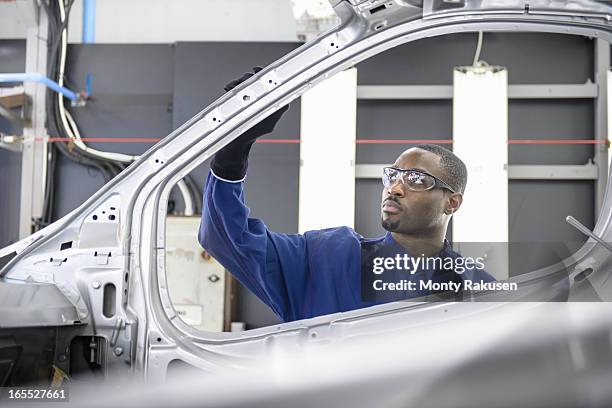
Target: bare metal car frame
column 118, row 235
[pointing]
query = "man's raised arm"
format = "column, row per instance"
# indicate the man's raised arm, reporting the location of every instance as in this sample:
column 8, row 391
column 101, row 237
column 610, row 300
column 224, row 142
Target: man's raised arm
column 273, row 266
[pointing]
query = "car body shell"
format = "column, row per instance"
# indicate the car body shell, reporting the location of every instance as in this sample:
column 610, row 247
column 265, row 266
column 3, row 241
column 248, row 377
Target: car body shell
column 43, row 285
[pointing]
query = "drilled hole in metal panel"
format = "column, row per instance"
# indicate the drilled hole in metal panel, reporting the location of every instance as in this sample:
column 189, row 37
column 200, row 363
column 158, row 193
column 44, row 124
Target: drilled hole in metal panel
column 583, row 275
column 109, row 301
column 377, row 9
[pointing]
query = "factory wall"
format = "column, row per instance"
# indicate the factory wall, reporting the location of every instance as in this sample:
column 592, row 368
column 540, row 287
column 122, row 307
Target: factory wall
column 166, row 22
column 161, row 21
column 148, row 90
column 12, row 59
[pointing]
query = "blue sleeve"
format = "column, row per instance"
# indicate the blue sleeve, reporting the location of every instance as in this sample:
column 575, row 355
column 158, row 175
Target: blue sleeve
column 273, row 266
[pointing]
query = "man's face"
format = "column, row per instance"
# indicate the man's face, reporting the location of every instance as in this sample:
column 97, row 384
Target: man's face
column 414, row 212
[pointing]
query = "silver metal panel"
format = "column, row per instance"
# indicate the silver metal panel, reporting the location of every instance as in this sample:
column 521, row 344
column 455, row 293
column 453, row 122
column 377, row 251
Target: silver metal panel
column 34, row 305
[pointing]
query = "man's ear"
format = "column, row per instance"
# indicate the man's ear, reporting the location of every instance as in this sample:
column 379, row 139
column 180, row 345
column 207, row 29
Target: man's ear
column 453, row 203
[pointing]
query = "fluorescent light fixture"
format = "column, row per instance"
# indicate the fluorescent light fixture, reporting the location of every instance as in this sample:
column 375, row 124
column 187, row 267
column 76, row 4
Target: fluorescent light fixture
column 327, row 153
column 480, row 139
column 317, row 9
column 313, row 17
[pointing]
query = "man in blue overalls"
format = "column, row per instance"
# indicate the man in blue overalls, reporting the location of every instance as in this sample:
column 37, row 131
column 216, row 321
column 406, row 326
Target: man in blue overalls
column 336, row 269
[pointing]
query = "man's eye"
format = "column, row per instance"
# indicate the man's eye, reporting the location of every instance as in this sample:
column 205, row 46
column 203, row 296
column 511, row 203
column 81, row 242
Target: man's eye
column 415, row 178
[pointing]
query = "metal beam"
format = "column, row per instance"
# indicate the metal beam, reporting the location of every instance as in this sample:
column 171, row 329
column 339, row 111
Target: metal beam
column 602, row 64
column 34, row 160
column 369, row 171
column 588, row 90
column 415, row 92
column 587, row 171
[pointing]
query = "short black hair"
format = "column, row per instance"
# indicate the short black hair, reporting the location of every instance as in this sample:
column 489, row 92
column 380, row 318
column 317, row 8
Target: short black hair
column 453, row 166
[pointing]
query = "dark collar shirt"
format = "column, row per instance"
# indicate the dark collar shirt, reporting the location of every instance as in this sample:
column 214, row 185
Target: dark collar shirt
column 319, row 272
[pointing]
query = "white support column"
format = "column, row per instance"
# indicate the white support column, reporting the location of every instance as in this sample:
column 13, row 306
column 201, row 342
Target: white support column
column 327, row 153
column 33, row 161
column 480, row 135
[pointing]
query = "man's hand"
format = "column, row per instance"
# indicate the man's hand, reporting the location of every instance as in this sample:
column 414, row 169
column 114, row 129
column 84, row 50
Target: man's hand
column 231, row 162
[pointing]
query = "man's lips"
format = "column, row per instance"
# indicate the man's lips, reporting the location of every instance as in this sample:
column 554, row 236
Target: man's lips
column 391, row 207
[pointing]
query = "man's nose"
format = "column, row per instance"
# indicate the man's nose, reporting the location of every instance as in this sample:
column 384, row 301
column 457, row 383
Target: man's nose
column 396, row 189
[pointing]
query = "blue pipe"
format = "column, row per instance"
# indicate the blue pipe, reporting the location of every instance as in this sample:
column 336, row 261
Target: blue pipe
column 41, row 79
column 89, row 21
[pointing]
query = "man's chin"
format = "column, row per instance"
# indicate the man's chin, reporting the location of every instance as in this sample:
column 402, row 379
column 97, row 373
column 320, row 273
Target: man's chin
column 390, row 225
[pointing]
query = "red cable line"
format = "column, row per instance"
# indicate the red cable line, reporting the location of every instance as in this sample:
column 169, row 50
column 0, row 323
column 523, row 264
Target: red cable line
column 556, row 142
column 281, row 141
column 103, row 139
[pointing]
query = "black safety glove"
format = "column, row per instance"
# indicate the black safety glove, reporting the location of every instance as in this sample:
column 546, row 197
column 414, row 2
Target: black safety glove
column 231, row 162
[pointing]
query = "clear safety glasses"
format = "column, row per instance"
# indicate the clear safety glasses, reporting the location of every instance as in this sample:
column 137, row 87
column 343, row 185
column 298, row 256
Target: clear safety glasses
column 413, row 179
